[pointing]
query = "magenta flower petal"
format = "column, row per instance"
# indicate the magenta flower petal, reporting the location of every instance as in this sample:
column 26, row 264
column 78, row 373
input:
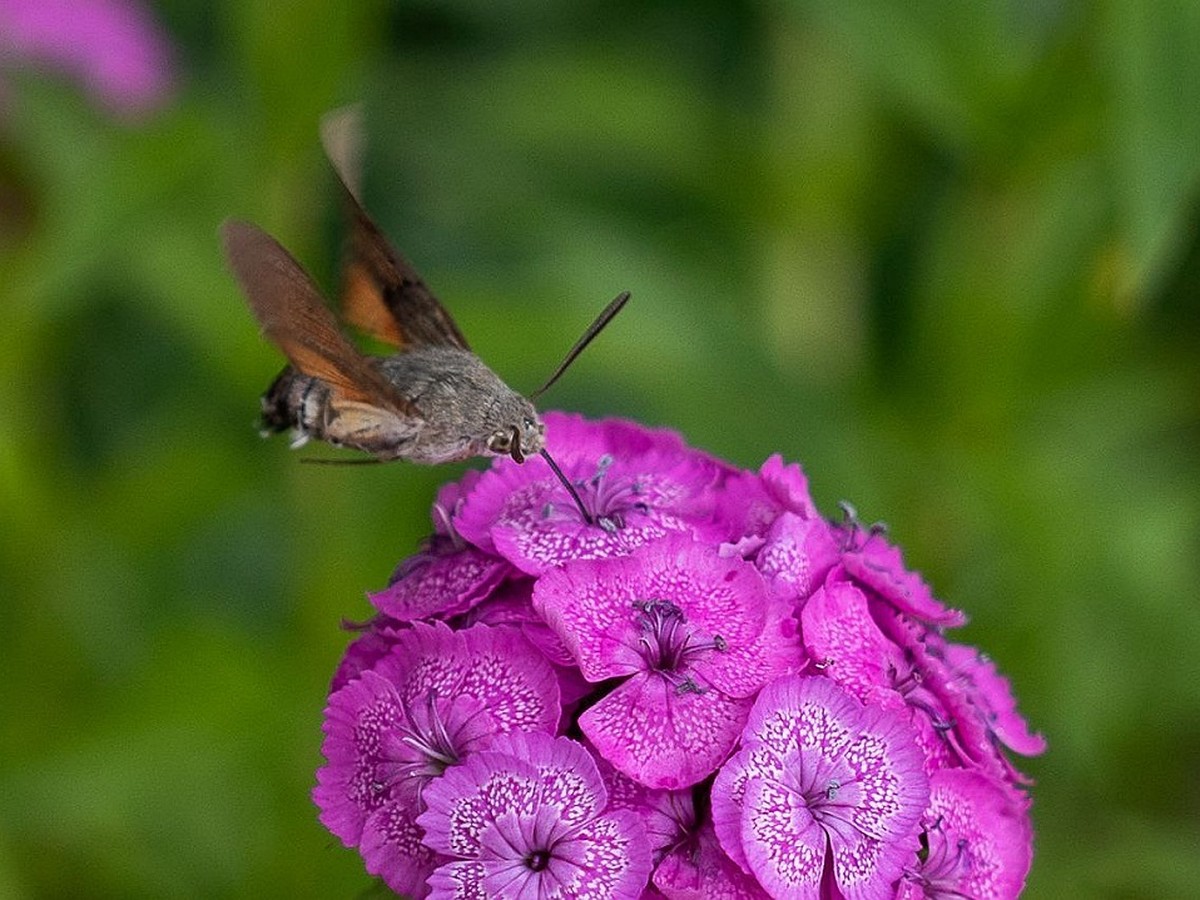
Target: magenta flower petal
column 438, row 697
column 992, row 695
column 784, row 843
column 459, row 880
column 638, row 485
column 469, row 797
column 698, row 869
column 569, row 777
column 749, row 502
column 878, row 565
column 980, row 842
column 450, row 498
column 497, row 666
column 392, row 849
column 532, row 826
column 957, row 709
column 844, row 640
column 788, row 486
column 513, row 604
column 753, row 762
column 373, row 643
column 611, row 858
column 745, row 510
column 941, row 697
column 797, row 555
column 358, row 720
column 911, row 686
column 661, row 736
column 667, row 816
column 623, row 792
column 820, row 773
column 442, row 580
column 448, row 576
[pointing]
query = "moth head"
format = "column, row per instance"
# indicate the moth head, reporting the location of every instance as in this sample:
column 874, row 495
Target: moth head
column 518, row 441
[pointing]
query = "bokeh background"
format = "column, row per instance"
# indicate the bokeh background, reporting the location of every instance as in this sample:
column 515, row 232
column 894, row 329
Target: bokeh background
column 945, row 254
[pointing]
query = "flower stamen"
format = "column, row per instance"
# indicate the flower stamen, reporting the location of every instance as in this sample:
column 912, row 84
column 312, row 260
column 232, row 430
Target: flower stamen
column 667, row 646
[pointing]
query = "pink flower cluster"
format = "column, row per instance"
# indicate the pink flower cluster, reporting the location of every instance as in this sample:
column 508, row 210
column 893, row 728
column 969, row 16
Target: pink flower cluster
column 701, row 688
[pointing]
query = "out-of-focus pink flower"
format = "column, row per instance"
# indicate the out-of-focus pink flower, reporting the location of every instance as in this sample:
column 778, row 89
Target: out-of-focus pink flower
column 114, row 47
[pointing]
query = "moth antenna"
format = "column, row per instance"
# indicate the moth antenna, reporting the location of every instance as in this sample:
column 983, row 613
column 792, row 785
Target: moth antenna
column 586, row 338
column 587, row 516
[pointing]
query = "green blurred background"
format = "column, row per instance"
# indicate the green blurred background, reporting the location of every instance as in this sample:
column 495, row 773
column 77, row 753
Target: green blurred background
column 945, row 254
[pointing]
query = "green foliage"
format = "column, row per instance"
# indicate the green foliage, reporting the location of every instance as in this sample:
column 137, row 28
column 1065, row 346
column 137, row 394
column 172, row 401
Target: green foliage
column 945, row 254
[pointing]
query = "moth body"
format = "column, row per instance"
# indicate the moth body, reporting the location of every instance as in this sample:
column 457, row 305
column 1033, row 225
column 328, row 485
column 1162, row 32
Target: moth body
column 461, row 409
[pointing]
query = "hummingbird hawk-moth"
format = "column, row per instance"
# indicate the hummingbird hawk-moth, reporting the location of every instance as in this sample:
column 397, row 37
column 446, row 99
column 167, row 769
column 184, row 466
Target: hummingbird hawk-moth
column 431, row 401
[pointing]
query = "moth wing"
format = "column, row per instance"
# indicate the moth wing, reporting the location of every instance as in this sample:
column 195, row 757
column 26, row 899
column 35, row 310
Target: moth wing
column 382, row 294
column 292, row 314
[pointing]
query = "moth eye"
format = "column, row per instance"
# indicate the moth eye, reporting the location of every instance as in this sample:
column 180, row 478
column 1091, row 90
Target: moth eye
column 499, row 442
column 529, row 423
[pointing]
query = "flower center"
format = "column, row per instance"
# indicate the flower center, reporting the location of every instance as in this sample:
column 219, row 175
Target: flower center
column 856, row 536
column 666, row 643
column 608, row 499
column 910, row 684
column 823, row 797
column 537, row 860
column 832, row 795
column 430, row 748
column 944, row 865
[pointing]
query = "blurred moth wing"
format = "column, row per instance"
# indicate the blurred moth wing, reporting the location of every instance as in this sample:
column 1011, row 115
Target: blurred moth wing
column 381, row 294
column 294, row 316
column 357, row 402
